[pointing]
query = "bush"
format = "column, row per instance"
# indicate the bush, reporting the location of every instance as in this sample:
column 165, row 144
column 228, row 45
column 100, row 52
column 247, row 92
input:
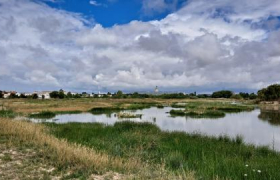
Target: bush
column 222, row 94
column 43, row 115
column 271, row 93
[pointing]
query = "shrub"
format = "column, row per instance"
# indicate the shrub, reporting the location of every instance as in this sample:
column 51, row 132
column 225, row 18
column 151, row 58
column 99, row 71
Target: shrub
column 43, row 115
column 222, row 94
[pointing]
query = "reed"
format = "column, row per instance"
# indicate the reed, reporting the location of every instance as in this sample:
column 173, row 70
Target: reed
column 84, row 160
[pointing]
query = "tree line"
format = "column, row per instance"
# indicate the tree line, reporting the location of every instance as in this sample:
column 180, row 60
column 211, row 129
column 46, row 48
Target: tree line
column 271, row 93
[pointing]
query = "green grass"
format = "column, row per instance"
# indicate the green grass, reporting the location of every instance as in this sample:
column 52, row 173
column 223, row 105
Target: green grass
column 68, row 112
column 174, row 112
column 137, row 106
column 208, row 109
column 160, row 106
column 43, row 115
column 121, row 107
column 128, row 115
column 102, row 110
column 7, row 113
column 209, row 157
column 206, row 114
column 197, row 114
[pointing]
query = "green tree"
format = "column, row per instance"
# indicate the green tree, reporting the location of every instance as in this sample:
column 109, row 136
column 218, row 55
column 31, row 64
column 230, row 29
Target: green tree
column 22, row 96
column 222, row 94
column 119, row 94
column 1, row 94
column 253, row 96
column 54, row 94
column 69, row 95
column 61, row 95
column 271, row 93
column 35, row 96
column 13, row 95
column 244, row 95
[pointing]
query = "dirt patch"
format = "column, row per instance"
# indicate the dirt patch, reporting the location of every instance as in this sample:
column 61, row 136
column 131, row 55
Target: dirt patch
column 24, row 162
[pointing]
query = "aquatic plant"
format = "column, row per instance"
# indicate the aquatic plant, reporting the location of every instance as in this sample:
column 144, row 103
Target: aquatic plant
column 128, row 115
column 43, row 115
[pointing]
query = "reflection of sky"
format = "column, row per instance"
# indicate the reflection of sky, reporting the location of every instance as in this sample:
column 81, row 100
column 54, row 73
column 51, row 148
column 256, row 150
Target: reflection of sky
column 245, row 124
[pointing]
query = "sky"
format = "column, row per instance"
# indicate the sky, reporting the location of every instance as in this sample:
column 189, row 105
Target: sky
column 135, row 45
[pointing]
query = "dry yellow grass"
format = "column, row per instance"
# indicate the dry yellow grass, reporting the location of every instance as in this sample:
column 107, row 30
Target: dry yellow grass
column 81, row 157
column 72, row 154
column 27, row 106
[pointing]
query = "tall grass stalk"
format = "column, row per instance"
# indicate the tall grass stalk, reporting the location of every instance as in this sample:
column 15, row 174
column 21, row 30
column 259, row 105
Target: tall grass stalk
column 80, row 157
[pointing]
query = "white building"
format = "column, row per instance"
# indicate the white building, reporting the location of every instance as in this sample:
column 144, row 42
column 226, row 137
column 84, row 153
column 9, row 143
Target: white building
column 6, row 95
column 43, row 94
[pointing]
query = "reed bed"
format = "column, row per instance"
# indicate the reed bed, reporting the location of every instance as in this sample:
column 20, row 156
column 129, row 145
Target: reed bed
column 81, row 158
column 71, row 154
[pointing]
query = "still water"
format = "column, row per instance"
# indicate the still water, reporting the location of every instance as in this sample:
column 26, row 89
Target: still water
column 257, row 127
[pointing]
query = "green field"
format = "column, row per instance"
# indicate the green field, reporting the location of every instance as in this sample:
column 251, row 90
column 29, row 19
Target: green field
column 208, row 157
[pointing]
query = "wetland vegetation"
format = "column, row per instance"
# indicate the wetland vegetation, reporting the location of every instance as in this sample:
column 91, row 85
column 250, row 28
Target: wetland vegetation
column 139, row 150
column 208, row 109
column 209, row 157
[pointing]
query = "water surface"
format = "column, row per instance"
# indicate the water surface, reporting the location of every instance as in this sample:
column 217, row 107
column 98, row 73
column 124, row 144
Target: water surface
column 256, row 127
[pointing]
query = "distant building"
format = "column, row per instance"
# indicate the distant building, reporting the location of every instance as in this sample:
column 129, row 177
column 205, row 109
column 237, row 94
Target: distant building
column 6, row 95
column 43, row 94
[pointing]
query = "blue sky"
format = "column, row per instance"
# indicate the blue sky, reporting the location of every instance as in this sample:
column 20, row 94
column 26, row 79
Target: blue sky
column 110, row 45
column 109, row 13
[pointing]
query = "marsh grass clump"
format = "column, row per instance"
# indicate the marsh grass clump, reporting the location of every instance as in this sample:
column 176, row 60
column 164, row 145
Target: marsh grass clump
column 235, row 108
column 160, row 106
column 43, row 115
column 7, row 114
column 105, row 110
column 136, row 106
column 198, row 114
column 128, row 115
column 209, row 109
column 208, row 157
column 174, row 112
column 206, row 114
column 68, row 112
column 178, row 105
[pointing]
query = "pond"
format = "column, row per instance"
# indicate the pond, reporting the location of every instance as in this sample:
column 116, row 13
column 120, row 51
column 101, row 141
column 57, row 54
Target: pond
column 258, row 127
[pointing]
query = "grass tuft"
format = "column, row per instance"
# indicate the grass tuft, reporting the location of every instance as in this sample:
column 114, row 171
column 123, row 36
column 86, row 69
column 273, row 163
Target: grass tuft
column 43, row 115
column 7, row 114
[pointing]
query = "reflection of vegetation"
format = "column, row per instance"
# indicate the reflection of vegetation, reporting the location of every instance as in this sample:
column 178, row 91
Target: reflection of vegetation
column 104, row 110
column 160, row 106
column 136, row 106
column 121, row 107
column 208, row 157
column 273, row 117
column 208, row 109
column 68, row 112
column 43, row 115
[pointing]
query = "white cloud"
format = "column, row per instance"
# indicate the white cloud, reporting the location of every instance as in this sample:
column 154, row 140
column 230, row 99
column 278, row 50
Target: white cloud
column 213, row 45
column 158, row 6
column 94, row 3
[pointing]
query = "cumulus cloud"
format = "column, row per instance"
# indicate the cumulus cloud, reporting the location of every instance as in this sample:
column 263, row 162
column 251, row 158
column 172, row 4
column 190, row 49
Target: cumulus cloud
column 222, row 44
